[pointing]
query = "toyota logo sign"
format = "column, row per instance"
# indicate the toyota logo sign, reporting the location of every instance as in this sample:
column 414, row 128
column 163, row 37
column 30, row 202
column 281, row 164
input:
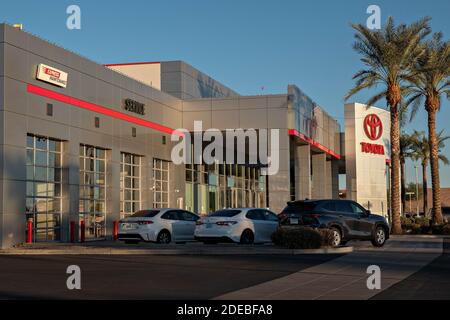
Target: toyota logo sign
column 373, row 127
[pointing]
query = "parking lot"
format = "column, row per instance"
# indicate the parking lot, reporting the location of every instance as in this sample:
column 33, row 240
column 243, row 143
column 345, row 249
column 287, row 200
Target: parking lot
column 412, row 266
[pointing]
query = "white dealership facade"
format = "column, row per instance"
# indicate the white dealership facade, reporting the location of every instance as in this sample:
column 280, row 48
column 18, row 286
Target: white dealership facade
column 87, row 142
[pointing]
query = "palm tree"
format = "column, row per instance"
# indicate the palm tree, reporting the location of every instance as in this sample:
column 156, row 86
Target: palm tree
column 421, row 152
column 405, row 152
column 389, row 55
column 431, row 84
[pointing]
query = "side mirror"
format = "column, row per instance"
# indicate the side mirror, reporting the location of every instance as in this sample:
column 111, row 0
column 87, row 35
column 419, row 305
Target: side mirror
column 368, row 212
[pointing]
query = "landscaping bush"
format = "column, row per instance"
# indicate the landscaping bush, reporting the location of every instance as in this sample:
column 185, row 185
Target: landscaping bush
column 327, row 237
column 423, row 221
column 406, row 223
column 441, row 229
column 302, row 237
column 416, row 225
column 416, row 228
column 446, row 229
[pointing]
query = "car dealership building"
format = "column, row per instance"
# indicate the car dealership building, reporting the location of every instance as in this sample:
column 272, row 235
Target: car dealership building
column 85, row 144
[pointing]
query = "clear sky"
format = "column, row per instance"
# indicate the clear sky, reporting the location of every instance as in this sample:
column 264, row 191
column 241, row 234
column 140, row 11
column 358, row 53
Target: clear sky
column 245, row 44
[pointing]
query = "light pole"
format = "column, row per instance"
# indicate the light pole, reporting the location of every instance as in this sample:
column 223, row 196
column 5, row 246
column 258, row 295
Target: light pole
column 417, row 190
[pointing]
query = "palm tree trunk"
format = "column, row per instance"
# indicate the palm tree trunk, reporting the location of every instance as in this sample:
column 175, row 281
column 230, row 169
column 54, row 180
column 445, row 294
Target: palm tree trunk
column 395, row 174
column 434, row 164
column 403, row 186
column 424, row 188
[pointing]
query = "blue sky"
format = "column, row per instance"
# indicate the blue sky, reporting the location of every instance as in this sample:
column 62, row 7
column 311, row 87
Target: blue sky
column 246, row 44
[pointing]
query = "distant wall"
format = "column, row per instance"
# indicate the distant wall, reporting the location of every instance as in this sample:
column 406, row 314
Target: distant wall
column 145, row 72
column 185, row 82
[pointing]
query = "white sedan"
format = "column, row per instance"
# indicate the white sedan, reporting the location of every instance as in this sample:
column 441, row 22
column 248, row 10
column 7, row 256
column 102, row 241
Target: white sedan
column 158, row 225
column 242, row 225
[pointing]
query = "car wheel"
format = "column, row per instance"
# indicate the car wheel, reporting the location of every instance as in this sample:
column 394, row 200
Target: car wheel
column 343, row 243
column 164, row 237
column 336, row 239
column 131, row 241
column 379, row 238
column 247, row 237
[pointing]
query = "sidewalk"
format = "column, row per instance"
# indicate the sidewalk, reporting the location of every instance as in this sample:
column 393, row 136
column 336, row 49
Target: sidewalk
column 192, row 248
column 345, row 277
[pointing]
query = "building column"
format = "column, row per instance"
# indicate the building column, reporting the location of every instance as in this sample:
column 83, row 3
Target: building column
column 319, row 170
column 335, row 179
column 328, row 180
column 302, row 172
column 71, row 190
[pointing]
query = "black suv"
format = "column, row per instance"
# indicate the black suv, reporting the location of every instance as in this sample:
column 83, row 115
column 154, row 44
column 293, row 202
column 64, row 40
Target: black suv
column 347, row 219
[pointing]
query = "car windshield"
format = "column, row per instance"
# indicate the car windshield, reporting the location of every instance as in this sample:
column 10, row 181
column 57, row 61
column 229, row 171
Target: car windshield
column 300, row 207
column 145, row 214
column 225, row 213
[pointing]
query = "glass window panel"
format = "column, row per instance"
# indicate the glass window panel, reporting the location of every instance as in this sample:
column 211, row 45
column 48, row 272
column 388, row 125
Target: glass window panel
column 30, row 188
column 30, row 173
column 52, row 159
column 82, row 206
column 100, row 153
column 127, row 182
column 81, row 164
column 29, row 207
column 100, row 166
column 100, row 178
column 40, row 189
column 54, row 205
column 90, row 165
column 90, row 205
column 30, row 141
column 127, row 194
column 99, row 206
column 52, row 145
column 57, row 187
column 189, row 175
column 41, row 205
column 41, row 236
column 41, row 143
column 90, row 152
column 41, row 158
column 127, row 207
column 55, row 146
column 101, row 193
column 50, row 190
column 30, row 157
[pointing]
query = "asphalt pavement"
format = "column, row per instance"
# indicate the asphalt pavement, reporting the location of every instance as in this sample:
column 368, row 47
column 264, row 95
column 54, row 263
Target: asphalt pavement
column 432, row 282
column 143, row 277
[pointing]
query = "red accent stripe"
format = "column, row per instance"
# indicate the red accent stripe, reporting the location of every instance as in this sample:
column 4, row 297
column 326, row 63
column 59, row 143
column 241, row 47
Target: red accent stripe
column 99, row 109
column 294, row 132
column 131, row 63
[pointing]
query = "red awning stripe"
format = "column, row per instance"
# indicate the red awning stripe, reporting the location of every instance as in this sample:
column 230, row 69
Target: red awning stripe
column 99, row 109
column 294, row 132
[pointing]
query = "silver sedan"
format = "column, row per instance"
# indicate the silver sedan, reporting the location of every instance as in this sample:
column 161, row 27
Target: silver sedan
column 242, row 225
column 158, row 225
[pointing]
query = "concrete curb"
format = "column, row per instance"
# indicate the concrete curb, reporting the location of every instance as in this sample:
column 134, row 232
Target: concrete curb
column 187, row 251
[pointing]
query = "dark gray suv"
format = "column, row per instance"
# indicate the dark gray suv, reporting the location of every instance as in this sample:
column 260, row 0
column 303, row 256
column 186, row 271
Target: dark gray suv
column 347, row 219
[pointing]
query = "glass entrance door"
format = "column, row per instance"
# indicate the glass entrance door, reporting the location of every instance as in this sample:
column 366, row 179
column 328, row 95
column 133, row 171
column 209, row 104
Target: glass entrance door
column 232, row 198
column 92, row 191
